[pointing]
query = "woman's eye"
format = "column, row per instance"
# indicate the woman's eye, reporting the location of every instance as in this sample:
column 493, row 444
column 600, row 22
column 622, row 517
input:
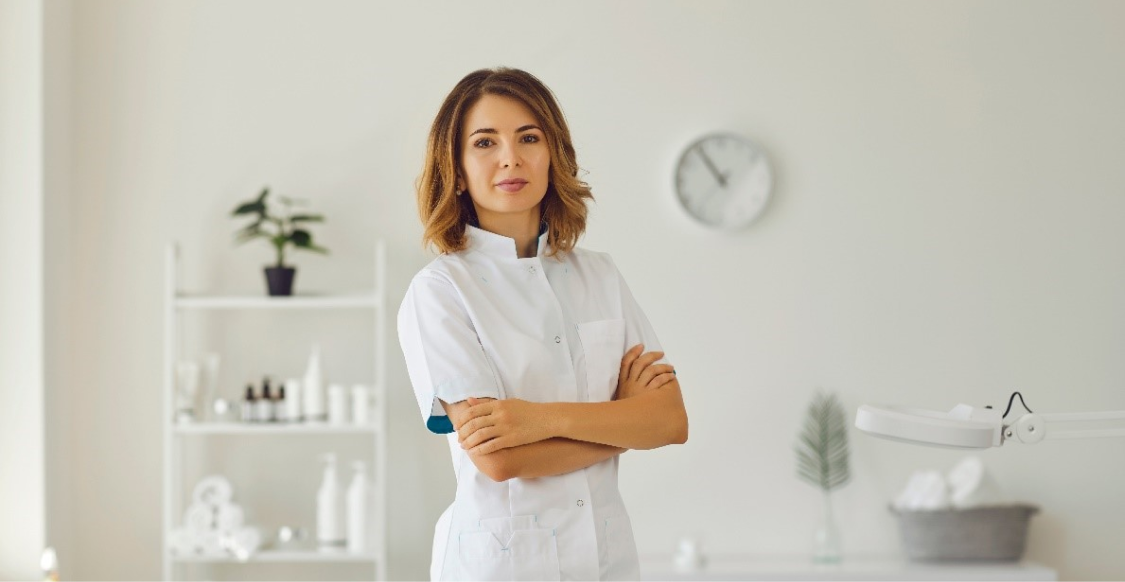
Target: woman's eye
column 483, row 142
column 530, row 138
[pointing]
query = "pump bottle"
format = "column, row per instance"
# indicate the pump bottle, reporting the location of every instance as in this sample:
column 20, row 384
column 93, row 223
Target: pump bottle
column 330, row 509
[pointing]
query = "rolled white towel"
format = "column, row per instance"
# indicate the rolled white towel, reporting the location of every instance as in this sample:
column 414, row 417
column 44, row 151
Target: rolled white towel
column 229, row 517
column 971, row 485
column 199, row 518
column 925, row 491
column 213, row 490
column 211, row 544
column 183, row 542
column 243, row 542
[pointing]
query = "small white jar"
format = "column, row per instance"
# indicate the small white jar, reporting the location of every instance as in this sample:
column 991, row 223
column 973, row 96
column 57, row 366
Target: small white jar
column 337, row 405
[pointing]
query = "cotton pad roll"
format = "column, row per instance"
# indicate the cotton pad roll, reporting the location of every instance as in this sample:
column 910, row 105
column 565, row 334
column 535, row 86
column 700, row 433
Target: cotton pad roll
column 211, row 544
column 213, row 490
column 199, row 518
column 971, row 485
column 229, row 516
column 244, row 541
column 183, row 542
column 926, row 490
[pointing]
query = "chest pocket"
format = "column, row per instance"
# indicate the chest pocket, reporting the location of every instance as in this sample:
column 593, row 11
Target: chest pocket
column 603, row 343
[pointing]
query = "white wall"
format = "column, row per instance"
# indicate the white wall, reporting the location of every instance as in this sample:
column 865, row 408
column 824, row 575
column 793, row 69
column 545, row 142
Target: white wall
column 947, row 228
column 22, row 484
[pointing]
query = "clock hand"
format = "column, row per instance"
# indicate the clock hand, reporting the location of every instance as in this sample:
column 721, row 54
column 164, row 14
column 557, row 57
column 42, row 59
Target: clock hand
column 711, row 166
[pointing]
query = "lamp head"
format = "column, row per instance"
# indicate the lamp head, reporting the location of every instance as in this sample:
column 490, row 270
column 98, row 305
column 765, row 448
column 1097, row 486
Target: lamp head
column 963, row 427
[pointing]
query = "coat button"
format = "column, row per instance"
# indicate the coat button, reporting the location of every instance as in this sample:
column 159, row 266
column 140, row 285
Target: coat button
column 581, row 503
column 557, row 339
column 532, row 269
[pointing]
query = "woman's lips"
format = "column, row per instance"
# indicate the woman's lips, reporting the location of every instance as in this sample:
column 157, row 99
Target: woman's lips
column 511, row 186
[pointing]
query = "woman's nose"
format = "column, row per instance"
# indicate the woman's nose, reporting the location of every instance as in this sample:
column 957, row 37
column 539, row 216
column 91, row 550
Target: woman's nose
column 509, row 157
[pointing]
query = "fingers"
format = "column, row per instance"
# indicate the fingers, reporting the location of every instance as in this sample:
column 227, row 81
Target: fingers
column 653, row 371
column 661, row 380
column 477, row 411
column 473, row 419
column 643, row 362
column 627, row 361
column 471, row 425
column 488, row 447
column 478, row 437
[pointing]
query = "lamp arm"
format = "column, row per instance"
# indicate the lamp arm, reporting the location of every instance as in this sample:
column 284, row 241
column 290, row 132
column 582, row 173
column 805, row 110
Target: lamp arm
column 1031, row 428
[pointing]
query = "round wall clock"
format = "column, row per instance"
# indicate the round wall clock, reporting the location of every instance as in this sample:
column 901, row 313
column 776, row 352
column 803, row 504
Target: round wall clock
column 723, row 180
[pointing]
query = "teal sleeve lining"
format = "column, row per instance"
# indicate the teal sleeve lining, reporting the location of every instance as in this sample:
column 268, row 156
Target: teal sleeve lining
column 439, row 424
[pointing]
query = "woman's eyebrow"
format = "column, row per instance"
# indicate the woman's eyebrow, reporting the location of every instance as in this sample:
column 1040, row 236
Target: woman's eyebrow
column 521, row 129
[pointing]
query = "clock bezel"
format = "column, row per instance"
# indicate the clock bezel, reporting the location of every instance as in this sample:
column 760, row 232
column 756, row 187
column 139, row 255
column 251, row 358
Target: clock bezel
column 752, row 145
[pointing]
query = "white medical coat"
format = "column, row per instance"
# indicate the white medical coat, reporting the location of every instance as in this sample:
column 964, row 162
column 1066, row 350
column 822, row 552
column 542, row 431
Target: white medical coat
column 485, row 323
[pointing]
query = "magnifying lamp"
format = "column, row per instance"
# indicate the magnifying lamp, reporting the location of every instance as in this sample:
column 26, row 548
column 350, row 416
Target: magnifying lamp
column 967, row 427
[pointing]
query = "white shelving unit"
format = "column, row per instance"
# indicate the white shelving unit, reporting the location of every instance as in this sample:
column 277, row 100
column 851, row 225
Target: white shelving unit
column 176, row 435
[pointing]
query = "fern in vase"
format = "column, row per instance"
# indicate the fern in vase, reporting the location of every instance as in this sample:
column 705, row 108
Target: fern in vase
column 822, row 461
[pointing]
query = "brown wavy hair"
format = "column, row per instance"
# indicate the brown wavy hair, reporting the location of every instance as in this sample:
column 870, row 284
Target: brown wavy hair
column 444, row 214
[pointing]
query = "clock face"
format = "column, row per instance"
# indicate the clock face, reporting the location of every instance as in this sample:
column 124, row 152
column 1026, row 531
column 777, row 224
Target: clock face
column 723, row 180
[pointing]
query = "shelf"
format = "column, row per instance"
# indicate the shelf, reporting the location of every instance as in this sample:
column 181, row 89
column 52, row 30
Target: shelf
column 368, row 300
column 239, row 428
column 852, row 567
column 282, row 556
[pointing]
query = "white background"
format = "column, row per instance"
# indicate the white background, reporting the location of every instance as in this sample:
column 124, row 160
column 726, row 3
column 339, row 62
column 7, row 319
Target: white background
column 948, row 226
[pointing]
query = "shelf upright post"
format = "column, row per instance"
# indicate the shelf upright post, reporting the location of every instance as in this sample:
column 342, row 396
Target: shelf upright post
column 380, row 393
column 170, row 254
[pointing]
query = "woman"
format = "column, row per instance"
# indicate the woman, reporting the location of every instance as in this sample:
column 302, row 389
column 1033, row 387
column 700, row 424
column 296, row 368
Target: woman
column 515, row 342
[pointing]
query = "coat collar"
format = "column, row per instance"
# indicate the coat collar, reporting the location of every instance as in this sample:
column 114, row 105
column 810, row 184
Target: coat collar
column 500, row 246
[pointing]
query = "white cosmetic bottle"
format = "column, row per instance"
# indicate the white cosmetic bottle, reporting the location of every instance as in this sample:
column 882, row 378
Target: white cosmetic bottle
column 358, row 497
column 330, row 509
column 293, row 400
column 312, row 392
column 337, row 405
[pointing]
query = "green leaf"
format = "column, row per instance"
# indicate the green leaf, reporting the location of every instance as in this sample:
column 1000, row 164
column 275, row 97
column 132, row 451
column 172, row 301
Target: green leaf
column 245, row 236
column 256, row 207
column 301, row 238
column 248, row 208
column 306, row 218
column 822, row 445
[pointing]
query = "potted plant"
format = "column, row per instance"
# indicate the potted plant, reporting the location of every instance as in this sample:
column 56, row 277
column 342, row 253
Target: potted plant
column 281, row 230
column 822, row 461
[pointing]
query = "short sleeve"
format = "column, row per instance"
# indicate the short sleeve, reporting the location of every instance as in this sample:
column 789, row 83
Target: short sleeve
column 637, row 328
column 444, row 356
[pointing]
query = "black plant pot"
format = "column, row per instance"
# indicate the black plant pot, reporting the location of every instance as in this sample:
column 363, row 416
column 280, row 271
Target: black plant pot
column 279, row 280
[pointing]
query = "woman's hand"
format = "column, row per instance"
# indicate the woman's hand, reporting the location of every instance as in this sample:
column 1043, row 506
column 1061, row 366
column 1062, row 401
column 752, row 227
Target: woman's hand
column 639, row 375
column 491, row 425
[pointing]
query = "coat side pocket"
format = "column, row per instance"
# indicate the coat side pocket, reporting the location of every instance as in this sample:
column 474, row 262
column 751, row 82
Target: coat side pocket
column 526, row 554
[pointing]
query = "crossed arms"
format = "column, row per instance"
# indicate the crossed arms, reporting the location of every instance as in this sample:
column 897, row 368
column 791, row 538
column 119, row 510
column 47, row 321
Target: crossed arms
column 516, row 438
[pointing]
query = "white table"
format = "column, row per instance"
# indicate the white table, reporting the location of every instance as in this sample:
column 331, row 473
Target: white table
column 759, row 567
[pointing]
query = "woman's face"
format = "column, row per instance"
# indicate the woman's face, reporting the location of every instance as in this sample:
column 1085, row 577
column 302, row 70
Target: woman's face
column 504, row 160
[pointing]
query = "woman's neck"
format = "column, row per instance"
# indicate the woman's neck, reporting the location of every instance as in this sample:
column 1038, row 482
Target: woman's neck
column 522, row 229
